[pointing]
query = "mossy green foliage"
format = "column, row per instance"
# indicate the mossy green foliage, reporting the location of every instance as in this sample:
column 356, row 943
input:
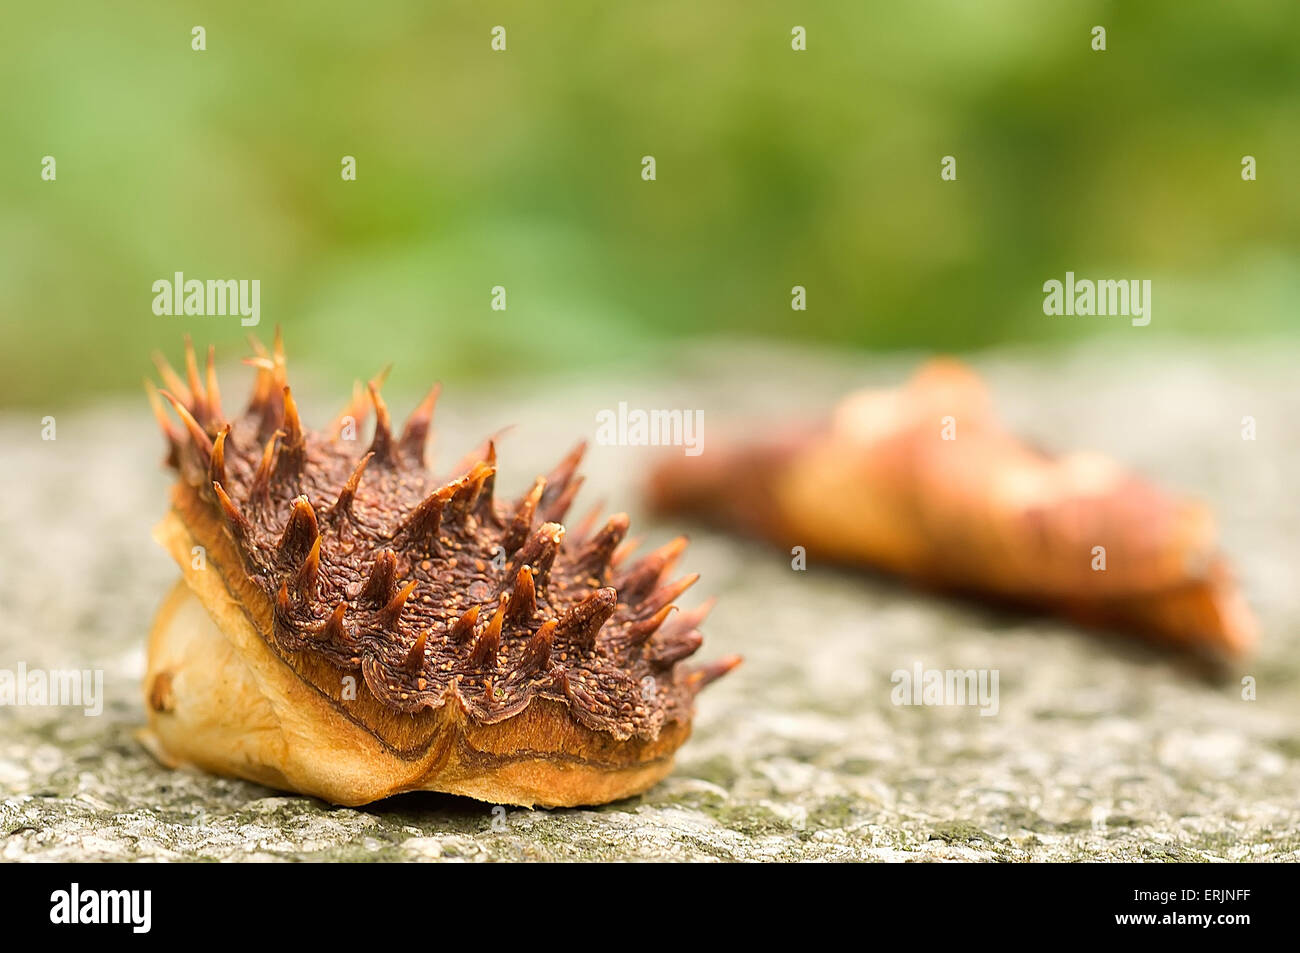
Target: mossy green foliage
column 522, row 169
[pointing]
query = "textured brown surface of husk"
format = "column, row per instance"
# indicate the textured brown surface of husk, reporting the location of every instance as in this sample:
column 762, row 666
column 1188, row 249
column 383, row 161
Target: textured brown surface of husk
column 350, row 627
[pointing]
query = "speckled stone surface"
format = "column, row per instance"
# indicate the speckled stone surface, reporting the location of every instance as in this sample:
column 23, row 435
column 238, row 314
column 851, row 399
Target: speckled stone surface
column 1101, row 749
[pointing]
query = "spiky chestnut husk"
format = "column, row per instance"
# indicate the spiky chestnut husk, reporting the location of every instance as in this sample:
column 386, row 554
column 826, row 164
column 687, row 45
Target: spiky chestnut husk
column 357, row 628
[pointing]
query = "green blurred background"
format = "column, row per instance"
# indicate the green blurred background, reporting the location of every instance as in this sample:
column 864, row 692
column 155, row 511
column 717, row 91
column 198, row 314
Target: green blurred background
column 522, row 169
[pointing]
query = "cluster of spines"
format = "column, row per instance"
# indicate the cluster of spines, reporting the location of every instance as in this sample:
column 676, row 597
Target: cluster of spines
column 646, row 601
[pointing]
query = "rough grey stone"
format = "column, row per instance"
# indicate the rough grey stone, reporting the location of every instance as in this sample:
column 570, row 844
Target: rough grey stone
column 1101, row 749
